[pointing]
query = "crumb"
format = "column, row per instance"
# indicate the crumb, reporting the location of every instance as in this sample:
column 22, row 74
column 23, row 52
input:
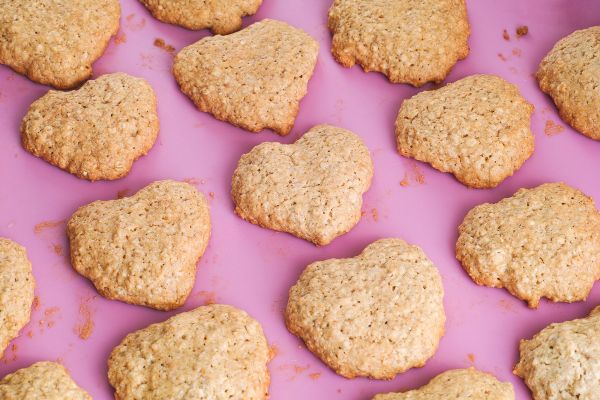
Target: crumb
column 375, row 214
column 160, row 43
column 505, row 35
column 405, row 182
column 363, row 213
column 38, row 228
column 552, row 128
column 30, row 334
column 120, row 37
column 417, row 173
column 471, row 357
column 517, row 52
column 212, row 195
column 85, row 328
column 522, row 30
column 13, row 357
column 122, row 193
column 206, row 297
column 193, row 181
column 273, row 351
column 58, row 250
column 51, row 311
column 298, row 369
column 36, row 303
column 314, row 376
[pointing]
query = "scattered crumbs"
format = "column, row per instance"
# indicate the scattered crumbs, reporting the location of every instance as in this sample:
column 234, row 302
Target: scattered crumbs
column 517, row 52
column 85, row 326
column 13, row 354
column 194, row 181
column 405, row 182
column 30, row 334
column 38, row 228
column 502, row 57
column 161, row 44
column 506, row 305
column 522, row 30
column 546, row 110
column 206, row 297
column 51, row 311
column 122, row 193
column 418, row 175
column 36, row 303
column 212, row 195
column 314, row 376
column 362, row 213
column 120, row 37
column 298, row 369
column 273, row 351
column 552, row 128
column 505, row 35
column 58, row 250
column 471, row 357
column 375, row 214
column 133, row 24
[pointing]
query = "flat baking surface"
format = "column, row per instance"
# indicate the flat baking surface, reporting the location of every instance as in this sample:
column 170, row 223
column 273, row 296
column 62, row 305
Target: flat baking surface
column 253, row 268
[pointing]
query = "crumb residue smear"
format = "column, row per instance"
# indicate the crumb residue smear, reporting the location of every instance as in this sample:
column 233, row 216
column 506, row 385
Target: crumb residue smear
column 161, row 44
column 10, row 354
column 522, row 30
column 42, row 226
column 85, row 326
column 134, row 25
column 122, row 193
column 194, row 181
column 375, row 214
column 58, row 250
column 206, row 297
column 417, row 173
column 314, row 376
column 273, row 351
column 502, row 57
column 120, row 37
column 471, row 357
column 517, row 52
column 405, row 182
column 552, row 128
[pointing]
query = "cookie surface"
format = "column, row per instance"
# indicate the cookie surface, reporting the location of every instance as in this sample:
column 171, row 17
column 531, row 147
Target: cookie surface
column 142, row 249
column 55, row 42
column 221, row 16
column 312, row 188
column 477, row 128
column 16, row 291
column 377, row 314
column 410, row 41
column 561, row 361
column 253, row 79
column 458, row 384
column 214, row 352
column 541, row 242
column 97, row 131
column 41, row 381
column 570, row 74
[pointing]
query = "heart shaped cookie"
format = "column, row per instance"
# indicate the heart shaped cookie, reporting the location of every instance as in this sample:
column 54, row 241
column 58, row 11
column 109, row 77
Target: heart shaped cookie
column 254, row 78
column 312, row 188
column 142, row 249
column 377, row 314
column 97, row 131
column 55, row 42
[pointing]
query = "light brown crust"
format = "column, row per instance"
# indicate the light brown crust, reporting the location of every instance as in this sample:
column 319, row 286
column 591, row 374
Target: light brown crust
column 142, row 249
column 55, row 42
column 377, row 314
column 220, row 16
column 541, row 242
column 570, row 74
column 409, row 41
column 97, row 131
column 253, row 79
column 312, row 189
column 477, row 128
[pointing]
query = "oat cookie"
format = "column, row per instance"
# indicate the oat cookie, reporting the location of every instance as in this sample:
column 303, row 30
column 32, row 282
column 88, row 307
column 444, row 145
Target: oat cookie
column 41, row 381
column 142, row 249
column 541, row 242
column 312, row 188
column 221, row 16
column 377, row 314
column 55, row 42
column 97, row 131
column 562, row 361
column 570, row 74
column 477, row 128
column 253, row 79
column 410, row 41
column 214, row 352
column 458, row 384
column 16, row 291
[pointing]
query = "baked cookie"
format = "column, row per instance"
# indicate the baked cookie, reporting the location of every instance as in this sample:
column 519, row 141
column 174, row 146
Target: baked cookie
column 561, row 361
column 55, row 42
column 95, row 132
column 312, row 188
column 16, row 291
column 477, row 128
column 377, row 314
column 570, row 74
column 214, row 352
column 541, row 242
column 142, row 249
column 410, row 41
column 458, row 384
column 221, row 16
column 253, row 79
column 41, row 381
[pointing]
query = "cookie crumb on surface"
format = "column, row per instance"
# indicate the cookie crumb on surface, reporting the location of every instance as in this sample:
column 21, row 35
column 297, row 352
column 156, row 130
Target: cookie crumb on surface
column 505, row 35
column 161, row 44
column 522, row 31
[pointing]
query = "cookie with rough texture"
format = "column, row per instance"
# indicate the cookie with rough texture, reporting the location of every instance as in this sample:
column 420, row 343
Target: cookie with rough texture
column 541, row 242
column 410, row 41
column 41, row 381
column 97, row 131
column 142, row 249
column 458, row 384
column 16, row 291
column 253, row 79
column 477, row 128
column 570, row 74
column 561, row 362
column 214, row 352
column 312, row 188
column 377, row 314
column 55, row 42
column 221, row 16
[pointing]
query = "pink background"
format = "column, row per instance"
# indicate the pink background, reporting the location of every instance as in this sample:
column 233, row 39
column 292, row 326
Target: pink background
column 253, row 268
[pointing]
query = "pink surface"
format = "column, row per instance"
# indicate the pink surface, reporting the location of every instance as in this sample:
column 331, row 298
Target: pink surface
column 253, row 268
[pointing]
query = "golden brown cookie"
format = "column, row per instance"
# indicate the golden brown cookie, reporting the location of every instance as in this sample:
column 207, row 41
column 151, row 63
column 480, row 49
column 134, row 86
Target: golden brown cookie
column 220, row 16
column 410, row 41
column 377, row 314
column 55, row 42
column 561, row 361
column 253, row 79
column 97, row 131
column 477, row 128
column 541, row 242
column 142, row 249
column 214, row 352
column 312, row 188
column 41, row 381
column 570, row 74
column 16, row 291
column 458, row 384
